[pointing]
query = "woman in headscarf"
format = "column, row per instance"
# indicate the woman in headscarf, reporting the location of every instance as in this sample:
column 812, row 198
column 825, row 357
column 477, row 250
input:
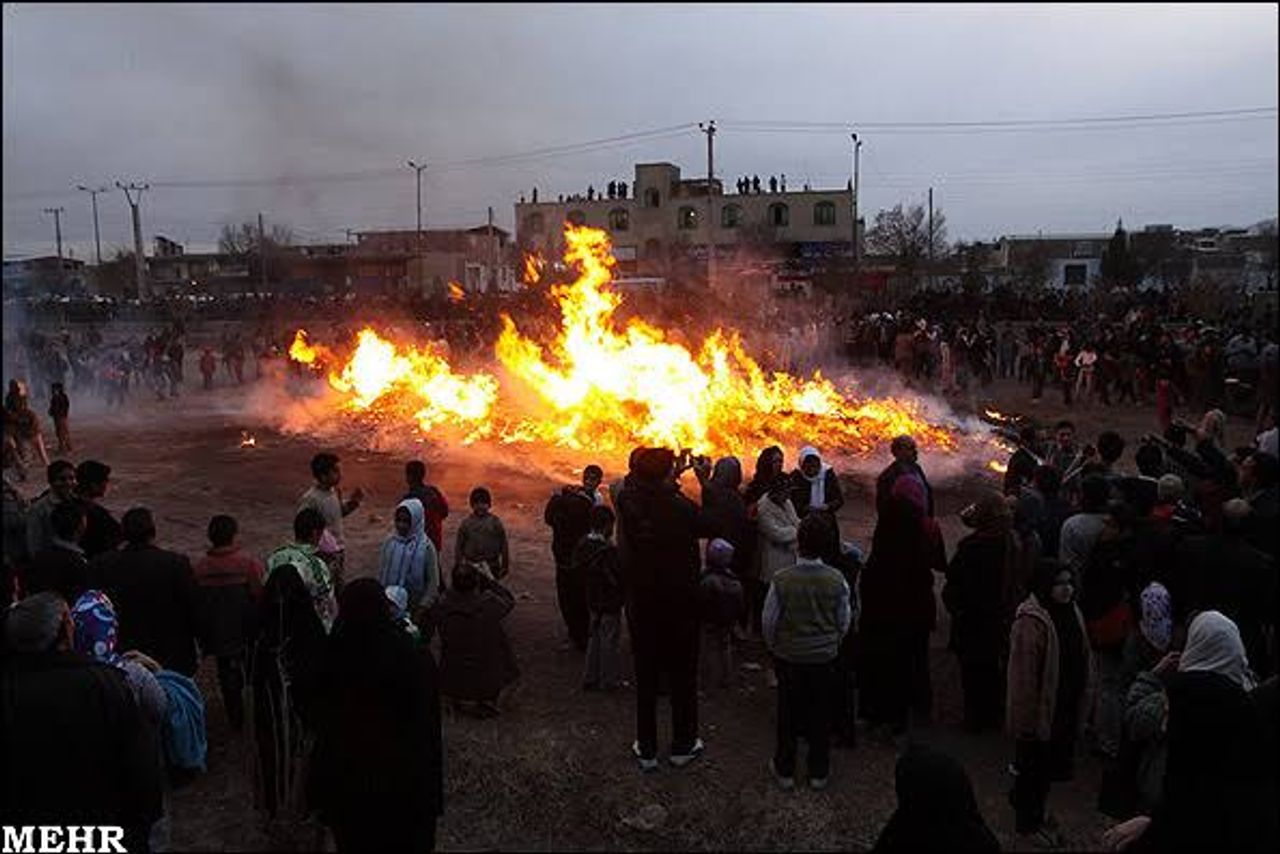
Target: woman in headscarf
column 285, row 658
column 408, row 558
column 377, row 774
column 898, row 610
column 476, row 659
column 1213, row 780
column 769, row 466
column 1050, row 671
column 723, row 511
column 95, row 623
column 1135, row 783
column 815, row 486
column 978, row 594
column 937, row 810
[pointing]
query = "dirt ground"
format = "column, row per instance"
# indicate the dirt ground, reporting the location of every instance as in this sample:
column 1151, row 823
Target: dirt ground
column 554, row 771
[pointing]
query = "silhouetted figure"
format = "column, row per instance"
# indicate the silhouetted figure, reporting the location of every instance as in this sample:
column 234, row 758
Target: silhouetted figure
column 773, row 184
column 782, row 185
column 755, row 184
column 622, row 189
column 613, row 189
column 591, row 193
column 535, row 195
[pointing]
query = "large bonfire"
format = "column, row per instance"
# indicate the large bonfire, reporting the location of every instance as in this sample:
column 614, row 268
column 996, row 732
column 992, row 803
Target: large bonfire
column 608, row 386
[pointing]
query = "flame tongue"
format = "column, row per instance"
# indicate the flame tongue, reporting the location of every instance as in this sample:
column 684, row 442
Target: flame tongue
column 605, row 386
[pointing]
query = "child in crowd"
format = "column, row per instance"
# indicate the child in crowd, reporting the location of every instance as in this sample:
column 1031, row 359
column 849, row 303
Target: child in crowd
column 721, row 605
column 398, row 604
column 482, row 539
column 596, row 561
column 476, row 660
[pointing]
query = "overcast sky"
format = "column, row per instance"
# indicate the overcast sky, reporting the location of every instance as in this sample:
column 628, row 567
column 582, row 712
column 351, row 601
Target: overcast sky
column 209, row 100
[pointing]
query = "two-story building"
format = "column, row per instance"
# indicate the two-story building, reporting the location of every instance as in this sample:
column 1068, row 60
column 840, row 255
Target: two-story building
column 667, row 222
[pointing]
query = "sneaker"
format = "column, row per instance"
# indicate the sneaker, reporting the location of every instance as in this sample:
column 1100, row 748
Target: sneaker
column 787, row 783
column 646, row 763
column 817, row 783
column 679, row 760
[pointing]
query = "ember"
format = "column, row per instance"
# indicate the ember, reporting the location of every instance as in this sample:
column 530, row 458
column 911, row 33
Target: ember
column 247, row 440
column 456, row 293
column 607, row 386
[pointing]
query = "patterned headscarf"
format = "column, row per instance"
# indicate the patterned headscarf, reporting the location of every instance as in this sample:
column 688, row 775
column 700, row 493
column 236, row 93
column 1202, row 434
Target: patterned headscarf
column 1156, row 623
column 95, row 626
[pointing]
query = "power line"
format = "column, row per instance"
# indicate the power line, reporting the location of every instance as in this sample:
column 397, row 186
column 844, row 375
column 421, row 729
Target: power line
column 998, row 123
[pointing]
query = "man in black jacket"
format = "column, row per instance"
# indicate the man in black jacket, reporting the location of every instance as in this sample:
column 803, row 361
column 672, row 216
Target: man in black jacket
column 660, row 563
column 62, row 567
column 74, row 745
column 102, row 531
column 569, row 515
column 154, row 594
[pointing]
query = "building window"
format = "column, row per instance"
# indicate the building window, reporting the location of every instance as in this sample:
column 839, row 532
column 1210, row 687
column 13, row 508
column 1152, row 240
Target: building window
column 1075, row 274
column 577, row 218
column 534, row 224
column 687, row 218
column 652, row 198
column 619, row 219
column 824, row 213
column 731, row 216
column 779, row 214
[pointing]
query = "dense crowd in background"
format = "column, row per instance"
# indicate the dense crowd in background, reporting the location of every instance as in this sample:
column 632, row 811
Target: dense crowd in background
column 1117, row 595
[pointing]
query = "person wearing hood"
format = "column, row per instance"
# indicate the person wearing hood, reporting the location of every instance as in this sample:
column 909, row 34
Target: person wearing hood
column 724, row 511
column 815, row 488
column 720, row 605
column 382, row 790
column 898, row 609
column 769, row 466
column 408, row 558
column 476, row 659
column 937, row 810
column 983, row 579
column 1212, row 782
column 1050, row 673
column 660, row 564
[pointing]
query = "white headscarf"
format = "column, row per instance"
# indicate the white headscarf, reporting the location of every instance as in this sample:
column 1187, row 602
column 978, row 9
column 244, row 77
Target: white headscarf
column 409, row 561
column 1214, row 645
column 817, row 483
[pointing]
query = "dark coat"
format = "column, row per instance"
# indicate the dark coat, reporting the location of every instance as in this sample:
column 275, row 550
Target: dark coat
column 60, row 570
column 800, row 492
column 378, row 755
column 476, row 659
column 1212, row 782
column 660, row 563
column 569, row 515
column 102, row 532
column 228, row 586
column 975, row 595
column 75, row 747
column 884, row 484
column 1225, row 573
column 154, row 594
column 724, row 512
column 599, row 564
column 897, row 582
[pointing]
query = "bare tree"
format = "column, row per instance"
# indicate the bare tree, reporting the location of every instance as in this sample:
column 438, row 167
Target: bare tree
column 243, row 239
column 904, row 237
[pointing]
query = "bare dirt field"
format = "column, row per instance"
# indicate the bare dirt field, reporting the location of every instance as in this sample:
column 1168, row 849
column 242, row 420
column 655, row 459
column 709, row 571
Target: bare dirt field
column 554, row 771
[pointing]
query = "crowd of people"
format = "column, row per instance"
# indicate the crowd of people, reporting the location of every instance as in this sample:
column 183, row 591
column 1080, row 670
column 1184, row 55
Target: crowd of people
column 1129, row 612
column 1137, row 359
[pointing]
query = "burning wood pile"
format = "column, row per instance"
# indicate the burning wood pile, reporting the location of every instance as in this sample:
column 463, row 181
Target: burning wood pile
column 601, row 385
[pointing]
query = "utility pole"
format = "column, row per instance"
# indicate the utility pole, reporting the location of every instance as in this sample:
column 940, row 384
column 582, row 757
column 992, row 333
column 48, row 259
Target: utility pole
column 418, row 170
column 493, row 253
column 857, row 149
column 931, row 238
column 57, row 231
column 710, row 130
column 262, row 255
column 139, row 259
column 97, row 241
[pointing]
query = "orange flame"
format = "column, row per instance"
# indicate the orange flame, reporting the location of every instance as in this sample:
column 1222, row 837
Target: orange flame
column 997, row 467
column 605, row 386
column 456, row 293
column 534, row 264
column 301, row 351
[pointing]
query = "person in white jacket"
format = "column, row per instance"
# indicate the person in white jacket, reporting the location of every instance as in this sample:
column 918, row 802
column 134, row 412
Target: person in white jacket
column 779, row 529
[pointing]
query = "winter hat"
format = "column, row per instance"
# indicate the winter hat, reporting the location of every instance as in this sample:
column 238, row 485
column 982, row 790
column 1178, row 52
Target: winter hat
column 719, row 553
